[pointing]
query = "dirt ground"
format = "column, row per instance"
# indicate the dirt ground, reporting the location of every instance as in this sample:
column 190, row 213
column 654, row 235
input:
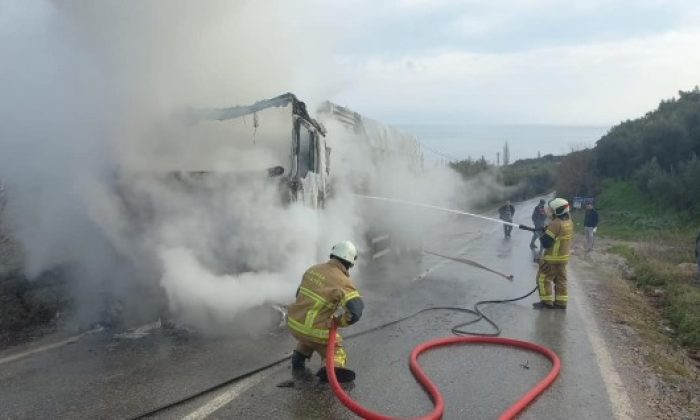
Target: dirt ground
column 662, row 379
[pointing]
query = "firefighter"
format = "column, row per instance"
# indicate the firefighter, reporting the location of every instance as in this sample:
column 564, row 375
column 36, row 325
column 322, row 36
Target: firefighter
column 327, row 294
column 556, row 241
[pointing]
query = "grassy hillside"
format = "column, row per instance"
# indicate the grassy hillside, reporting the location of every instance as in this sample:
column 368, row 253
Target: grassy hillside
column 645, row 177
column 658, row 152
column 629, row 214
column 659, row 245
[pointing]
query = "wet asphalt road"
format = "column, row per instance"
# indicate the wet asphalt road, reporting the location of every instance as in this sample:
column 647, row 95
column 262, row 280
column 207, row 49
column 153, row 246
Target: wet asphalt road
column 100, row 377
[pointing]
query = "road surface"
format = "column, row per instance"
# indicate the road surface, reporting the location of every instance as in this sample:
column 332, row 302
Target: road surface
column 99, row 376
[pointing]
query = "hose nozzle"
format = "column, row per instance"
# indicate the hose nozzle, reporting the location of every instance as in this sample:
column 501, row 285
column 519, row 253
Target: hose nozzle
column 530, row 228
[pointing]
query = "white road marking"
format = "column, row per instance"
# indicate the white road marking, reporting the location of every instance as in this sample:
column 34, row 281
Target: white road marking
column 621, row 404
column 226, row 397
column 381, row 253
column 141, row 331
column 24, row 354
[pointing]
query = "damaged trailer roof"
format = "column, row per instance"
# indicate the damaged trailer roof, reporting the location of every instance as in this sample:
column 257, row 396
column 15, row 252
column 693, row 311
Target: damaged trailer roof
column 222, row 114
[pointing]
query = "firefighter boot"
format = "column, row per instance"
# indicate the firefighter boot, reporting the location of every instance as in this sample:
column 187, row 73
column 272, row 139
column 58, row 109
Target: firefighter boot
column 344, row 375
column 299, row 361
column 542, row 305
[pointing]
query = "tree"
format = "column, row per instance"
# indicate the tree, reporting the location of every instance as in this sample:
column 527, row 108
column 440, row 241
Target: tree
column 11, row 253
column 671, row 133
column 575, row 176
column 470, row 167
column 658, row 152
column 506, row 154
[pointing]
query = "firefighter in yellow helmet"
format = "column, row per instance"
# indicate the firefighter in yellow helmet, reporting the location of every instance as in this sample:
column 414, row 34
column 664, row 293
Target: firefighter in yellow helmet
column 556, row 241
column 325, row 291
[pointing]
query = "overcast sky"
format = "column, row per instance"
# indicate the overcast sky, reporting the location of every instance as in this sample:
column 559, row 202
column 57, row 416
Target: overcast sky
column 581, row 62
column 591, row 62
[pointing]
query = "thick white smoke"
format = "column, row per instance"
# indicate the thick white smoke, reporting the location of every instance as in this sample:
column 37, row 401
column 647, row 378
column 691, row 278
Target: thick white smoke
column 89, row 134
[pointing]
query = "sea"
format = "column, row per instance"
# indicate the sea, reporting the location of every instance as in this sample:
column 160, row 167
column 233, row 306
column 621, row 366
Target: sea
column 444, row 142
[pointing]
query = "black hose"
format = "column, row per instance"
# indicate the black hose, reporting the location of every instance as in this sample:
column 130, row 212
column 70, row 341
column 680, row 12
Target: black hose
column 455, row 330
column 471, row 263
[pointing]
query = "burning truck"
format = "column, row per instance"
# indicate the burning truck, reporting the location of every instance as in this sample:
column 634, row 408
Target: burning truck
column 207, row 180
column 277, row 142
column 273, row 140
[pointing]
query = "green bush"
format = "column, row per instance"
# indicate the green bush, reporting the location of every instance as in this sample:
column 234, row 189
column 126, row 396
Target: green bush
column 671, row 133
column 626, row 212
column 677, row 187
column 682, row 309
column 680, row 303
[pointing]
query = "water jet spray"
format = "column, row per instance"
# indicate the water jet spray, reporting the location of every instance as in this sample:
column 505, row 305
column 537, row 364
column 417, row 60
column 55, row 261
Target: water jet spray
column 444, row 209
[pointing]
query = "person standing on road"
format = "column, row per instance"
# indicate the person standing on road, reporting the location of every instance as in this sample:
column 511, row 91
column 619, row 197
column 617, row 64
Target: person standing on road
column 556, row 241
column 697, row 252
column 590, row 223
column 326, row 289
column 506, row 212
column 539, row 217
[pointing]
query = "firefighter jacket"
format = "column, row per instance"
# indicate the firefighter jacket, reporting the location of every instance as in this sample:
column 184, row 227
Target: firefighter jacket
column 324, row 289
column 557, row 241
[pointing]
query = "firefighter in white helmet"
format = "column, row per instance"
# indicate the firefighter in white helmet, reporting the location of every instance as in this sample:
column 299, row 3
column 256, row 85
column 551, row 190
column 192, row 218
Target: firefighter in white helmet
column 556, row 241
column 326, row 294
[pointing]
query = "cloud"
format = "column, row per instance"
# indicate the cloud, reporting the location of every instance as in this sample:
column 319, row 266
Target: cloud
column 598, row 83
column 401, row 27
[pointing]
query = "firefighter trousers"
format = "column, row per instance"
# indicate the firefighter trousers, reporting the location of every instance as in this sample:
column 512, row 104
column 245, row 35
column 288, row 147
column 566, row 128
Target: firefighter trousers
column 307, row 347
column 551, row 284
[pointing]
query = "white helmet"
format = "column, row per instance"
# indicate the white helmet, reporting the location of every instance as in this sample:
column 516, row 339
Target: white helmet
column 559, row 206
column 346, row 251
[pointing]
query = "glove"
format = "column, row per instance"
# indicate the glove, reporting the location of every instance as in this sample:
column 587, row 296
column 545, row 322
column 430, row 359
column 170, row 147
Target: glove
column 595, row 229
column 334, row 320
column 337, row 317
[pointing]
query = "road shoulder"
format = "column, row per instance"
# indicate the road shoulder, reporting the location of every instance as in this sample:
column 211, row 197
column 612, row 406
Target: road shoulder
column 661, row 380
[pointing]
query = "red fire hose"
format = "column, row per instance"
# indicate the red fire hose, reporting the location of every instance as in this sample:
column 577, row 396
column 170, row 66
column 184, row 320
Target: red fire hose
column 431, row 388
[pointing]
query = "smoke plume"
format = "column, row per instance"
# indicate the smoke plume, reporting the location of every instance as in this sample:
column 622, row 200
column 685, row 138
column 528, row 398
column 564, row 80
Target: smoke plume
column 91, row 91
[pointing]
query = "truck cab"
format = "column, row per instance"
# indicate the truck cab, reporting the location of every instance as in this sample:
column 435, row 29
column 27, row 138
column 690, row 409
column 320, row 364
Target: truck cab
column 283, row 127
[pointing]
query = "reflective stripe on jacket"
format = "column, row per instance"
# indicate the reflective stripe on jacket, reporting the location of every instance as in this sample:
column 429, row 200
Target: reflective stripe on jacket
column 562, row 232
column 324, row 288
